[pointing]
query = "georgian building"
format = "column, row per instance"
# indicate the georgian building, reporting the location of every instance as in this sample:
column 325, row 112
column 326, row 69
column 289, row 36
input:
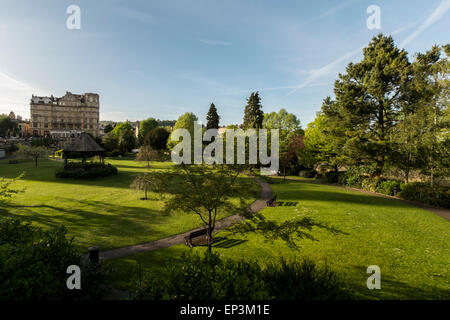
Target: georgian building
column 66, row 116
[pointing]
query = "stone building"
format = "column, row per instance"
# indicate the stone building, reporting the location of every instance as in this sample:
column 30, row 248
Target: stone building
column 63, row 117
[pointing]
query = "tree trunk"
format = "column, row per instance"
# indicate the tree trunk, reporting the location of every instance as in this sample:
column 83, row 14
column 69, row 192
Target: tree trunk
column 36, row 161
column 209, row 234
column 145, row 198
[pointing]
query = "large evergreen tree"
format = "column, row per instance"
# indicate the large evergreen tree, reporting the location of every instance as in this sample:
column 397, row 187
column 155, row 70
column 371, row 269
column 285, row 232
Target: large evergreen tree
column 368, row 99
column 212, row 118
column 253, row 116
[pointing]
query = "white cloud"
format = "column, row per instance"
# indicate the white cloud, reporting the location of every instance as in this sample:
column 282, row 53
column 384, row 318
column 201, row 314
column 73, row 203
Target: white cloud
column 331, row 68
column 215, row 42
column 435, row 16
column 15, row 95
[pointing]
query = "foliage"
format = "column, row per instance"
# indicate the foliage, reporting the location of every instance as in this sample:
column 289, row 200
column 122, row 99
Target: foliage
column 206, row 190
column 390, row 187
column 147, row 182
column 110, row 141
column 422, row 192
column 108, row 128
column 43, row 142
column 253, row 114
column 7, row 126
column 147, row 154
column 212, row 118
column 127, row 141
column 210, row 277
column 33, row 264
column 157, row 138
column 77, row 170
column 30, row 152
column 145, row 127
column 185, row 121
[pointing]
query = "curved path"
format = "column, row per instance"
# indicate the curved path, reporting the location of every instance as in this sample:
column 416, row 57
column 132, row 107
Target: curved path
column 257, row 205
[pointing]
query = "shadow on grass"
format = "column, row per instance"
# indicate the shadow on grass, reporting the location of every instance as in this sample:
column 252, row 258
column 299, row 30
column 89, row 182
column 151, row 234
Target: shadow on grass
column 226, row 243
column 323, row 193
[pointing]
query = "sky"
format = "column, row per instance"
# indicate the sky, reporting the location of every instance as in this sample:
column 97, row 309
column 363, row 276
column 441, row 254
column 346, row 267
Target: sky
column 162, row 58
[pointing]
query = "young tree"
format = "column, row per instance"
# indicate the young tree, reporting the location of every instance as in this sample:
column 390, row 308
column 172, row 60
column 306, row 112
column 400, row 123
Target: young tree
column 207, row 190
column 146, row 182
column 146, row 153
column 368, row 99
column 34, row 153
column 212, row 118
column 253, row 114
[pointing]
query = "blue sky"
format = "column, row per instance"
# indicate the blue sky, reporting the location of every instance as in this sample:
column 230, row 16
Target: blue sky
column 162, row 58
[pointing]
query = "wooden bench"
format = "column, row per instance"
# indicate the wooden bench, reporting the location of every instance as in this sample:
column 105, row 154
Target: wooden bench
column 196, row 238
column 272, row 202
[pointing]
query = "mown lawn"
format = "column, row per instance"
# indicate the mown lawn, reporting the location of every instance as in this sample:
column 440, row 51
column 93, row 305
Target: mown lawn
column 105, row 212
column 409, row 244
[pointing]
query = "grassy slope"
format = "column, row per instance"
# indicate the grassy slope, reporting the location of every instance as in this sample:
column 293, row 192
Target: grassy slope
column 103, row 212
column 409, row 244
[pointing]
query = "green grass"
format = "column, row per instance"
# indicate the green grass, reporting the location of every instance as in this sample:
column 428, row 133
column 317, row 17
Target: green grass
column 103, row 212
column 409, row 244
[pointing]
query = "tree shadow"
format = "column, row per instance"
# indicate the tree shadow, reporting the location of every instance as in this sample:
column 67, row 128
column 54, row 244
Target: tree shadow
column 226, row 243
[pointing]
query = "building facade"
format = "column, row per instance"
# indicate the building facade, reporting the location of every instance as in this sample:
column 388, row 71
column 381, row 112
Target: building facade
column 65, row 116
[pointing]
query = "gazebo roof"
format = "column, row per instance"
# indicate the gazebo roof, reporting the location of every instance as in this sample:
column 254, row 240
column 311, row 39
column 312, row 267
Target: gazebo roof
column 83, row 143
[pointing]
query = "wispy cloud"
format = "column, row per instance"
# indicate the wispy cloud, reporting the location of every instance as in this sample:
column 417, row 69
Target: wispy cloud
column 435, row 16
column 215, row 42
column 331, row 11
column 330, row 68
column 15, row 95
column 136, row 15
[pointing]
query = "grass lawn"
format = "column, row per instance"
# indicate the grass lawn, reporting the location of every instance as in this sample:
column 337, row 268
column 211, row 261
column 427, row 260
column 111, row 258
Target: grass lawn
column 103, row 212
column 409, row 244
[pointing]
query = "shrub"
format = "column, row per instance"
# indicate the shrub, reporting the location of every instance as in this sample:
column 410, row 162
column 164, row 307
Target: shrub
column 115, row 153
column 307, row 173
column 369, row 184
column 33, row 264
column 422, row 192
column 355, row 175
column 87, row 171
column 389, row 187
column 333, row 176
column 211, row 278
column 13, row 161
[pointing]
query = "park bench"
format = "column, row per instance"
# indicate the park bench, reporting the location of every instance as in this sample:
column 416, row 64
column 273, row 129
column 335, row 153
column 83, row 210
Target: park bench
column 196, row 238
column 272, row 202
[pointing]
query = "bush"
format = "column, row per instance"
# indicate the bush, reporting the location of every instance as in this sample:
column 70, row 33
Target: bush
column 370, row 184
column 422, row 192
column 211, row 278
column 115, row 153
column 390, row 187
column 87, row 171
column 33, row 264
column 13, row 161
column 307, row 173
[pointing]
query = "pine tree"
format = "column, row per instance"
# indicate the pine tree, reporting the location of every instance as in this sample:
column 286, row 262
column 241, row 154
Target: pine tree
column 253, row 116
column 212, row 118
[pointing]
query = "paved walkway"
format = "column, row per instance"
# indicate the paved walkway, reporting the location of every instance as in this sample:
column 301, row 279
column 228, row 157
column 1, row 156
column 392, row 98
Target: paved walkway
column 257, row 205
column 442, row 212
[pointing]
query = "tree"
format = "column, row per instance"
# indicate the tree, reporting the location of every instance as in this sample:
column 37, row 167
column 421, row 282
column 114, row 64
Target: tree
column 127, row 140
column 147, row 182
column 186, row 121
column 289, row 157
column 207, row 189
column 287, row 124
column 8, row 126
column 123, row 126
column 368, row 99
column 323, row 143
column 157, row 138
column 110, row 141
column 145, row 127
column 29, row 152
column 253, row 114
column 146, row 153
column 212, row 118
column 108, row 128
